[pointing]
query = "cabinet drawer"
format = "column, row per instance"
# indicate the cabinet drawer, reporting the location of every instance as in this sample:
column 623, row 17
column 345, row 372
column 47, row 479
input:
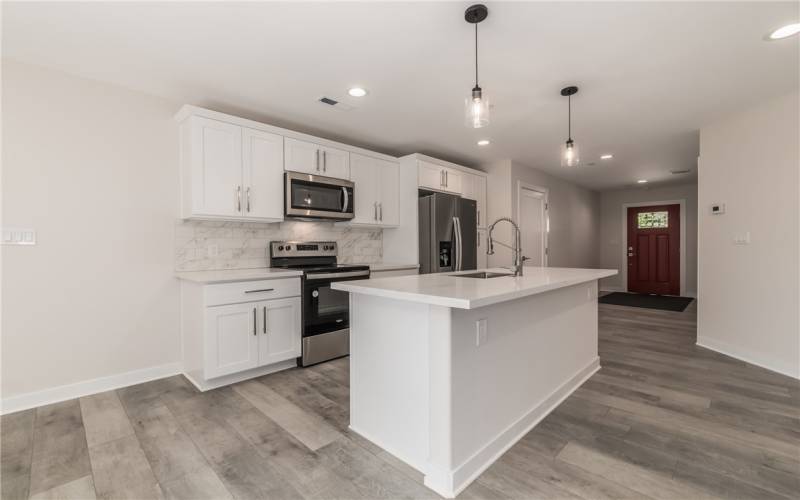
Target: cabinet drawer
column 248, row 291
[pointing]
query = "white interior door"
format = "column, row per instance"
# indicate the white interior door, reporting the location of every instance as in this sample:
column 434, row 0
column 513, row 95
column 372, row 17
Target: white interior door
column 533, row 224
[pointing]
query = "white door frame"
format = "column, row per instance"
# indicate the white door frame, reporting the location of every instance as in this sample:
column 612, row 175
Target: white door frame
column 625, row 207
column 546, row 192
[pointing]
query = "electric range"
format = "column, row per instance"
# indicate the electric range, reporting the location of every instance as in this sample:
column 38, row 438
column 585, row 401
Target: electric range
column 326, row 312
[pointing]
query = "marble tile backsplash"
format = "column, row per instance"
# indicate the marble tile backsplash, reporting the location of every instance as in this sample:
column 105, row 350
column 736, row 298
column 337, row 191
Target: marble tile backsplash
column 243, row 245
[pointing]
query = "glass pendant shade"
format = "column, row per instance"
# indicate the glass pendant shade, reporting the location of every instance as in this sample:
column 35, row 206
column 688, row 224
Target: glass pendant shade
column 476, row 110
column 570, row 156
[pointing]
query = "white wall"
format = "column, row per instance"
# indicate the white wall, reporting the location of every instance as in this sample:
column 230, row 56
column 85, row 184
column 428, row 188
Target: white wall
column 611, row 227
column 94, row 169
column 749, row 295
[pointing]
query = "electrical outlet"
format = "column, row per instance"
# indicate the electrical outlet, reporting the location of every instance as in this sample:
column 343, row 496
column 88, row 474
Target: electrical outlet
column 482, row 332
column 741, row 238
column 213, row 251
column 17, row 236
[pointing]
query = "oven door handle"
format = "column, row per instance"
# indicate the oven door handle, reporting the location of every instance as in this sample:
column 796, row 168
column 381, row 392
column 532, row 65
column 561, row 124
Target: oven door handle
column 325, row 276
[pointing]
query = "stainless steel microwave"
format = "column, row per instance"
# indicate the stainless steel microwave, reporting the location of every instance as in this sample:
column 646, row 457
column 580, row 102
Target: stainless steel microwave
column 309, row 196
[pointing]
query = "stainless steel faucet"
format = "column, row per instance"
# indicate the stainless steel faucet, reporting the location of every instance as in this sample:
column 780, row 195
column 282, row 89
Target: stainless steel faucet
column 519, row 260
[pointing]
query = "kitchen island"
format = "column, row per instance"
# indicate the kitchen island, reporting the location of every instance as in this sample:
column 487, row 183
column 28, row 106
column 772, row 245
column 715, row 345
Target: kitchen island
column 447, row 372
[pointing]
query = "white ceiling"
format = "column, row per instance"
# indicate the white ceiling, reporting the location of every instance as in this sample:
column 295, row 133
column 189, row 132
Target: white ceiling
column 650, row 74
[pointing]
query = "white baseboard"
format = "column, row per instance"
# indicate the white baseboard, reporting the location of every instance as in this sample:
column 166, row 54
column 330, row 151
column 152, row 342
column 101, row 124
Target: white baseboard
column 470, row 469
column 754, row 358
column 607, row 288
column 71, row 391
column 206, row 385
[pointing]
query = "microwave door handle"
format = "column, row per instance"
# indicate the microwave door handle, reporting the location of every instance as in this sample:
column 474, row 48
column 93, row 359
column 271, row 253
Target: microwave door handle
column 346, row 199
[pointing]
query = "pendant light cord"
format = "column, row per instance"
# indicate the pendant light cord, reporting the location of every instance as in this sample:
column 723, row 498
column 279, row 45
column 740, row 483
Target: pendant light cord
column 476, row 54
column 569, row 117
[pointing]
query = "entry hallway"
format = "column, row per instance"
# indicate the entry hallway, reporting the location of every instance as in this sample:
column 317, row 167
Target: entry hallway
column 662, row 419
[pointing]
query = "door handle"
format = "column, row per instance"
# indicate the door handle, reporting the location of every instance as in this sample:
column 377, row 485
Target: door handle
column 255, row 321
column 346, row 199
column 265, row 320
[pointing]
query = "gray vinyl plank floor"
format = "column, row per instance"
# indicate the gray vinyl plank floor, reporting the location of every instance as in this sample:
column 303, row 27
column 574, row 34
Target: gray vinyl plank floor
column 662, row 419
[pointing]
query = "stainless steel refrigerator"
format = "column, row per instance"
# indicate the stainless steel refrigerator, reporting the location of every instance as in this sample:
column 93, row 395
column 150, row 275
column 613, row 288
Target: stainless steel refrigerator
column 448, row 232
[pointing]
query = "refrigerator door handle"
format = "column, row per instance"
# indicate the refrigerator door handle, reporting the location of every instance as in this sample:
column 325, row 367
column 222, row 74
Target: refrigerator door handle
column 458, row 264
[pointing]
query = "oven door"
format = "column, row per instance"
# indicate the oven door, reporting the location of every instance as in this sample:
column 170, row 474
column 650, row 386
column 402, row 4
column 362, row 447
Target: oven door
column 324, row 309
column 316, row 197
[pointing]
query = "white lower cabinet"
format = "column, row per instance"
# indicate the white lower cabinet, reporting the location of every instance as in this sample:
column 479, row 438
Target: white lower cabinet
column 239, row 330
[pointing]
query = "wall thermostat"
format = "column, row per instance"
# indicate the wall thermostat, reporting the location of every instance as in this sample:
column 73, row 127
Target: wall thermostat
column 717, row 208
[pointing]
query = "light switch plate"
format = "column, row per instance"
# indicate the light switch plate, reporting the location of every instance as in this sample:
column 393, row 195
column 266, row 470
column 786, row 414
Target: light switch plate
column 741, row 238
column 18, row 236
column 482, row 332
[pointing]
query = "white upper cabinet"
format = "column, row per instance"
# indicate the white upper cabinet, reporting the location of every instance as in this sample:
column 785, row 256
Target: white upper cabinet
column 376, row 191
column 212, row 152
column 311, row 158
column 230, row 172
column 262, row 165
column 438, row 178
column 474, row 188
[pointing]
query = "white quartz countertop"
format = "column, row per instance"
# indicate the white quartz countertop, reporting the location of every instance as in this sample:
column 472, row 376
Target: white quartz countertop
column 234, row 275
column 444, row 289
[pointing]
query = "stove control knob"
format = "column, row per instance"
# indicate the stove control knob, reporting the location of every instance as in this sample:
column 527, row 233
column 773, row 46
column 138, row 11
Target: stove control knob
column 288, row 247
column 280, row 248
column 315, row 294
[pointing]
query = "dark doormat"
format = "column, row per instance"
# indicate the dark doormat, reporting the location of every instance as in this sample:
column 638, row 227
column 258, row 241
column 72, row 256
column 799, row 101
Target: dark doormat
column 663, row 302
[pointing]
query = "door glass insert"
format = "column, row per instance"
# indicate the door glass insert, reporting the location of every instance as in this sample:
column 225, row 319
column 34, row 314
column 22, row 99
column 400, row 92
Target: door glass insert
column 651, row 220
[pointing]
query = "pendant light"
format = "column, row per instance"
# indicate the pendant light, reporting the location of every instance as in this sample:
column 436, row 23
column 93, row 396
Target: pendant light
column 570, row 156
column 476, row 107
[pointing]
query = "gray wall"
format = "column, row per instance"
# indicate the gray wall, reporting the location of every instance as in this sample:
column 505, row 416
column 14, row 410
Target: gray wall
column 574, row 214
column 611, row 227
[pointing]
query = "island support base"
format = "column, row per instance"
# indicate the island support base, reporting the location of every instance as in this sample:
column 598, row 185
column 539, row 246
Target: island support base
column 424, row 390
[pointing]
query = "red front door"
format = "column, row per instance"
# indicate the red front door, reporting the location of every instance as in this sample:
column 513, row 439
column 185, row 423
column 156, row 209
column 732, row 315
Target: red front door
column 654, row 250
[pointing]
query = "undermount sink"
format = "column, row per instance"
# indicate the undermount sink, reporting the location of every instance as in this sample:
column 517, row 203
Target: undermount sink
column 481, row 275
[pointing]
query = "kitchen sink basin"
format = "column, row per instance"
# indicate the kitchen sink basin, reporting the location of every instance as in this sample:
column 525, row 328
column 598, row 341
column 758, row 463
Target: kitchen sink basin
column 481, row 275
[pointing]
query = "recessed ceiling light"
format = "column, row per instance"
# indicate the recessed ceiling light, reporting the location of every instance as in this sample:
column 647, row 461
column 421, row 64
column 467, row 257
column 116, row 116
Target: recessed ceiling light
column 785, row 31
column 606, row 157
column 642, row 181
column 484, row 142
column 357, row 92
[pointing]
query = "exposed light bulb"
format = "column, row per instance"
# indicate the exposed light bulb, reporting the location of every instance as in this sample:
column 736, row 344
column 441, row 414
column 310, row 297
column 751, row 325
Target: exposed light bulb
column 477, row 109
column 642, row 181
column 570, row 156
column 484, row 142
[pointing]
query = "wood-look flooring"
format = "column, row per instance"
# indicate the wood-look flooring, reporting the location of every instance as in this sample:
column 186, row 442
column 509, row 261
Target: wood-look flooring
column 663, row 418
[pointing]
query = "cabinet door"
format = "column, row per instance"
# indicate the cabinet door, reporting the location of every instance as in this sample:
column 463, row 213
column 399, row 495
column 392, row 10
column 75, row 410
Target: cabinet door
column 216, row 152
column 280, row 330
column 231, row 339
column 262, row 160
column 335, row 163
column 430, row 175
column 366, row 175
column 468, row 186
column 483, row 259
column 452, row 180
column 479, row 190
column 302, row 156
column 389, row 201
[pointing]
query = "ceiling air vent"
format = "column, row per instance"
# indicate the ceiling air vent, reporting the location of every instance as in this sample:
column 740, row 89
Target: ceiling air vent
column 334, row 104
column 679, row 172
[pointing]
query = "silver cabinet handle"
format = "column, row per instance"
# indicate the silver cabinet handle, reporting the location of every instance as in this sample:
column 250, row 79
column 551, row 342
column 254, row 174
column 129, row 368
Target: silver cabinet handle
column 446, row 179
column 323, row 276
column 238, row 198
column 265, row 319
column 375, row 206
column 255, row 321
column 479, row 217
column 318, row 160
column 324, row 161
column 380, row 206
column 248, row 198
column 260, row 290
column 441, row 178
